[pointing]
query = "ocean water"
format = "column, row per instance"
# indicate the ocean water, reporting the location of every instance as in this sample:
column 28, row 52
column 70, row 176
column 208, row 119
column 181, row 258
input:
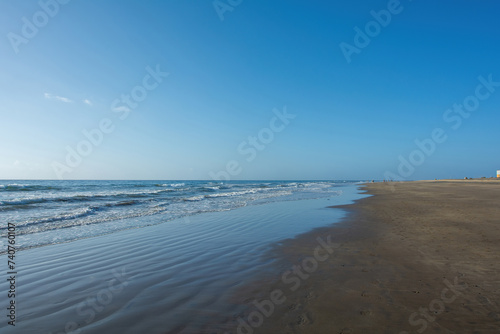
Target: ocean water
column 50, row 212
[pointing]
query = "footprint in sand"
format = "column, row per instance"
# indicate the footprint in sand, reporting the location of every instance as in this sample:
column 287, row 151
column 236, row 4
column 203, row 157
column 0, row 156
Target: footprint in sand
column 483, row 300
column 494, row 316
column 303, row 319
column 365, row 312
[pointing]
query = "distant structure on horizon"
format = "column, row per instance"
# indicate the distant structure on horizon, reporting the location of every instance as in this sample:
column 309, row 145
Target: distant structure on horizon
column 498, row 173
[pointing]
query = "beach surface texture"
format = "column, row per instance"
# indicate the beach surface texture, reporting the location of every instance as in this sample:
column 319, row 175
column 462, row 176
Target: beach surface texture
column 417, row 257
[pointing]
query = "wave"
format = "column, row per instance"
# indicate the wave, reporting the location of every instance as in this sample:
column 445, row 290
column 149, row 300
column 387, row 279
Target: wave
column 292, row 185
column 123, row 203
column 226, row 194
column 233, row 193
column 80, row 197
column 210, row 189
column 17, row 207
column 194, row 198
column 129, row 195
column 259, row 191
column 26, row 187
column 80, row 213
column 22, row 202
column 77, row 214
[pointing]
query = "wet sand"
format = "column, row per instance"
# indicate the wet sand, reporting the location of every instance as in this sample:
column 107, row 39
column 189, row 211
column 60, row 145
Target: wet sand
column 417, row 257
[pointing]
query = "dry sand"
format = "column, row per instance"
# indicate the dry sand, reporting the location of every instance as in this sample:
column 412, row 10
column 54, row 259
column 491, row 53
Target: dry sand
column 417, row 257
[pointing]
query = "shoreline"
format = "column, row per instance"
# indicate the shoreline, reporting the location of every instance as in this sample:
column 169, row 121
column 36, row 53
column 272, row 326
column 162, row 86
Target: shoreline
column 166, row 278
column 416, row 257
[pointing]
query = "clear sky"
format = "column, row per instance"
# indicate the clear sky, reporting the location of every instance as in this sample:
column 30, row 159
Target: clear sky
column 249, row 89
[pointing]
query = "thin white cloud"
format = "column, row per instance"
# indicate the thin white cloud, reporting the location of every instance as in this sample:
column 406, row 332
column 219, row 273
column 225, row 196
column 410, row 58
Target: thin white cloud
column 121, row 108
column 58, row 98
column 88, row 102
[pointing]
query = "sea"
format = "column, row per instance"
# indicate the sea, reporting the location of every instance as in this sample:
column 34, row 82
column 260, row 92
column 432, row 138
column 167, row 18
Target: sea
column 50, row 212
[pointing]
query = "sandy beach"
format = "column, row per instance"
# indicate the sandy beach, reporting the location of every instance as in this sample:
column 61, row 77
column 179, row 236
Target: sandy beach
column 417, row 257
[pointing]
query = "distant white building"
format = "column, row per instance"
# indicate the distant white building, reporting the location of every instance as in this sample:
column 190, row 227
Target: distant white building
column 498, row 173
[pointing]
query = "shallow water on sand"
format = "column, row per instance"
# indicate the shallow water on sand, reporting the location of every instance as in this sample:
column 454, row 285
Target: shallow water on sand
column 165, row 278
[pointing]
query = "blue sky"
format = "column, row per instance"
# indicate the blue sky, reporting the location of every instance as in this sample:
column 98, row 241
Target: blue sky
column 229, row 79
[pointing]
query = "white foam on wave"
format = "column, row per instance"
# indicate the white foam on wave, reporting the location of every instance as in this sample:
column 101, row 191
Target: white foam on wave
column 106, row 211
column 232, row 193
column 66, row 216
column 195, row 198
column 58, row 196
